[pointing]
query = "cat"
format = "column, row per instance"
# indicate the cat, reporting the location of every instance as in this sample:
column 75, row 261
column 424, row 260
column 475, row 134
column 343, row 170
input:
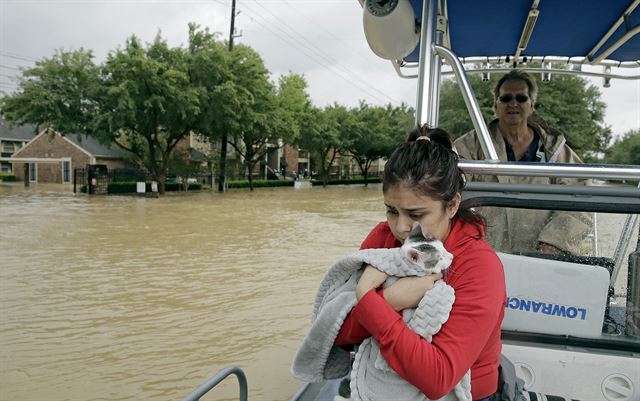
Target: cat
column 426, row 252
column 430, row 256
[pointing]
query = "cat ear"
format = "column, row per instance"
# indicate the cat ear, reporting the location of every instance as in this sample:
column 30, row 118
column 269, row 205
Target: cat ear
column 414, row 256
column 416, row 230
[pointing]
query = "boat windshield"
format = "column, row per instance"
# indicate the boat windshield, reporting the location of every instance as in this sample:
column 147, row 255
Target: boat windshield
column 574, row 284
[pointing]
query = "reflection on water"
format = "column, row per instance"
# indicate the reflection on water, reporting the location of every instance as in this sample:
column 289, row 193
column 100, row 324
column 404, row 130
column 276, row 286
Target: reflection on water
column 127, row 298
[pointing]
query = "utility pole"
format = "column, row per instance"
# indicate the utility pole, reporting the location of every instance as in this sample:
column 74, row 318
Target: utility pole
column 223, row 141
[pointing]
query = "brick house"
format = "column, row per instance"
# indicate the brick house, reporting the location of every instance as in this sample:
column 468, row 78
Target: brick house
column 51, row 157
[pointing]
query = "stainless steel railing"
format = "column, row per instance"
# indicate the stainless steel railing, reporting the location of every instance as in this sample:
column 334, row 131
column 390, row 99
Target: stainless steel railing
column 215, row 380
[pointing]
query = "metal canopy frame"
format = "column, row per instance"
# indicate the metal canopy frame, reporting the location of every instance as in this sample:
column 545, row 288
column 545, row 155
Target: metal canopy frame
column 466, row 27
column 433, row 30
column 629, row 33
column 595, row 57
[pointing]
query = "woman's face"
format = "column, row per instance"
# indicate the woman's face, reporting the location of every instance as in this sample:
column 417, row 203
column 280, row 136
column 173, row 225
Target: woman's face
column 405, row 208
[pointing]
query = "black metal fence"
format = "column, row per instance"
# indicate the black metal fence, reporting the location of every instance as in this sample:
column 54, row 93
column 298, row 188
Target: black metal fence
column 97, row 177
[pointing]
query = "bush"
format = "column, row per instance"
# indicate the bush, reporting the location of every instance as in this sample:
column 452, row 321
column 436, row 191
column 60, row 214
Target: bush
column 131, row 187
column 174, row 186
column 350, row 181
column 260, row 183
column 7, row 177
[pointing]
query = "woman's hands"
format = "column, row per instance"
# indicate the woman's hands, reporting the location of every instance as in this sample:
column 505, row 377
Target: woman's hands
column 371, row 278
column 404, row 293
column 408, row 291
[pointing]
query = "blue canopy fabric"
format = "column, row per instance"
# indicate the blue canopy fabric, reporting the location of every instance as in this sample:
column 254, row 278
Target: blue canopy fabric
column 565, row 28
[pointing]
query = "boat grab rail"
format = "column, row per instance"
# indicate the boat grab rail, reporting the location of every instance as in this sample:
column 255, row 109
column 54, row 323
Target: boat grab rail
column 566, row 170
column 215, row 380
column 471, row 102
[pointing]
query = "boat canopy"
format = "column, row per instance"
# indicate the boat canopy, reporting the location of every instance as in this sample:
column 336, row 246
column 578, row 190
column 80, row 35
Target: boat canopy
column 589, row 30
column 423, row 34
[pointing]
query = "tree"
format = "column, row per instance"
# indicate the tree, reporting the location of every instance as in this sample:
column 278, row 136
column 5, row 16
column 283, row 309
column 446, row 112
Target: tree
column 210, row 70
column 144, row 99
column 147, row 103
column 567, row 102
column 625, row 150
column 57, row 93
column 266, row 115
column 182, row 165
column 377, row 132
column 454, row 116
column 322, row 136
column 293, row 104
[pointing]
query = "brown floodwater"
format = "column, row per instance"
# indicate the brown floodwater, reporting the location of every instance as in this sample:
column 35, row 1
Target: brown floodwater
column 130, row 298
column 133, row 298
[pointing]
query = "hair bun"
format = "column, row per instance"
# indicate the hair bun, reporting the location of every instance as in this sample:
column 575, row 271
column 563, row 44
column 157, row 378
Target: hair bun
column 437, row 135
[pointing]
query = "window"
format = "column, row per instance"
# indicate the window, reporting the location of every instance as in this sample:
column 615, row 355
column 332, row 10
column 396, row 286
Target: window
column 580, row 292
column 8, row 147
column 33, row 172
column 66, row 167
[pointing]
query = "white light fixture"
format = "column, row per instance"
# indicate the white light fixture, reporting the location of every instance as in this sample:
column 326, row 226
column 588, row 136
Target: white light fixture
column 546, row 76
column 606, row 81
column 486, row 76
column 390, row 28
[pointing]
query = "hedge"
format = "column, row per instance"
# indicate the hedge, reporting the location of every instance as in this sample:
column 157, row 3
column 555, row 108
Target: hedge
column 131, row 187
column 260, row 183
column 370, row 180
column 7, row 177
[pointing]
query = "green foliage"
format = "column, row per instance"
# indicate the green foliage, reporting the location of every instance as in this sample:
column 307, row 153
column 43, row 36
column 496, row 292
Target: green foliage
column 210, row 71
column 376, row 133
column 625, row 150
column 454, row 116
column 567, row 102
column 350, row 181
column 58, row 93
column 181, row 164
column 7, row 177
column 146, row 98
column 131, row 187
column 262, row 113
column 148, row 103
column 336, row 124
column 259, row 183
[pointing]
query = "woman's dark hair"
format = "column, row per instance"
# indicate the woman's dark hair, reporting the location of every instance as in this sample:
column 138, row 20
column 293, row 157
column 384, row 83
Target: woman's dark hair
column 429, row 167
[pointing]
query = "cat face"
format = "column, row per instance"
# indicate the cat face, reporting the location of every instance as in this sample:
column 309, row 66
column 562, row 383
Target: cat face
column 427, row 253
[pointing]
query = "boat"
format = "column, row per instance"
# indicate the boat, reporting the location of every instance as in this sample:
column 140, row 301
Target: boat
column 574, row 332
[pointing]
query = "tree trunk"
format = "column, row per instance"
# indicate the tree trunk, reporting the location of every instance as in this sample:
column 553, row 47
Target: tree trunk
column 162, row 178
column 325, row 175
column 365, row 173
column 250, row 176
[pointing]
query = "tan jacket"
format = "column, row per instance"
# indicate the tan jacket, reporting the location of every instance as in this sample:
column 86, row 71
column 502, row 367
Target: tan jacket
column 513, row 230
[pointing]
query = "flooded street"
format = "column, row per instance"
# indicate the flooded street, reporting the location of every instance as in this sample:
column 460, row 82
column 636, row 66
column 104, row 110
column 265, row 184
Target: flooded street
column 126, row 298
column 129, row 298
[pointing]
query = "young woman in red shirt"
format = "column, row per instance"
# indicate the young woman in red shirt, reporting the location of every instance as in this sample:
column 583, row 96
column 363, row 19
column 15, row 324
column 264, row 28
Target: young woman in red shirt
column 422, row 184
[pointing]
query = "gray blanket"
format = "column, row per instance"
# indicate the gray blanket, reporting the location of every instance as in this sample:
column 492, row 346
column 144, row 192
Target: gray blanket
column 371, row 378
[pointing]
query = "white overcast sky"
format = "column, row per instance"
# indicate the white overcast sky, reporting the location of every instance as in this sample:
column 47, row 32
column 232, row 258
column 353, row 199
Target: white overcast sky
column 321, row 39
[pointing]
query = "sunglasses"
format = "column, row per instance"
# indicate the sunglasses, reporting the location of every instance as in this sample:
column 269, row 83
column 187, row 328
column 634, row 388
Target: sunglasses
column 509, row 97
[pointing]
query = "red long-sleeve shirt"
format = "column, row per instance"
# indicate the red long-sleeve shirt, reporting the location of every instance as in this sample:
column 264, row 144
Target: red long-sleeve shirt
column 469, row 339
